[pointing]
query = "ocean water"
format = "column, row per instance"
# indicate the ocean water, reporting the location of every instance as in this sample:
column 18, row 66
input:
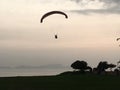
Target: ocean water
column 11, row 72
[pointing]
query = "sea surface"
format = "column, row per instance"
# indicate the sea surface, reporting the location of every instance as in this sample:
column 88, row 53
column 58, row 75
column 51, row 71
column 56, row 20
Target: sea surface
column 11, row 72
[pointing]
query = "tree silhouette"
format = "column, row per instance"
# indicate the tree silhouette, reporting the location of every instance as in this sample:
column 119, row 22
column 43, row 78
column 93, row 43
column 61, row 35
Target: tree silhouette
column 102, row 66
column 81, row 66
column 111, row 66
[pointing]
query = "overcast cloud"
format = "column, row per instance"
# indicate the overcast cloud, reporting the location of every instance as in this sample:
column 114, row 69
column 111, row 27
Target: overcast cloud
column 105, row 6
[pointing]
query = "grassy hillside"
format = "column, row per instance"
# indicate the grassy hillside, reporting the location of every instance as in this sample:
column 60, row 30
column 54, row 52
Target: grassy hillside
column 61, row 82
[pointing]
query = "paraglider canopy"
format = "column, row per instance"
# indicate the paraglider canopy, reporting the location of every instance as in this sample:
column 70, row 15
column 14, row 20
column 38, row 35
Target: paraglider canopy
column 118, row 39
column 51, row 13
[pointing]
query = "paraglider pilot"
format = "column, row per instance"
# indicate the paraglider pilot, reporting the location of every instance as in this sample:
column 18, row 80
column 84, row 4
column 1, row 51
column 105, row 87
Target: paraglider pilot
column 51, row 13
column 56, row 36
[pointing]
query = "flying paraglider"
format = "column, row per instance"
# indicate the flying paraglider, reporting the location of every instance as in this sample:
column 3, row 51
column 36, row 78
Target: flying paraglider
column 51, row 13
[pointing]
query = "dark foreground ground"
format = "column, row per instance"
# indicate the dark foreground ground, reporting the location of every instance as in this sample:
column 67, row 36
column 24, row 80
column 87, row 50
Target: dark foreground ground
column 61, row 82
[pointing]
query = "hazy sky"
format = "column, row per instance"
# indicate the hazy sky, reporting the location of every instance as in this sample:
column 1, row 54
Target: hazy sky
column 88, row 34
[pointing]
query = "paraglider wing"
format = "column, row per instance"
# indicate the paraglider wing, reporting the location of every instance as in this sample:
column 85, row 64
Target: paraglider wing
column 118, row 39
column 52, row 12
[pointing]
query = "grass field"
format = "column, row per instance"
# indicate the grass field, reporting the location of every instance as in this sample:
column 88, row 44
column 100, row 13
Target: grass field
column 61, row 82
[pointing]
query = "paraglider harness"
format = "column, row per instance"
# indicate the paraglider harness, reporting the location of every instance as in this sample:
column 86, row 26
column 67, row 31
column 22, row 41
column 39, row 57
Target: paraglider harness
column 56, row 36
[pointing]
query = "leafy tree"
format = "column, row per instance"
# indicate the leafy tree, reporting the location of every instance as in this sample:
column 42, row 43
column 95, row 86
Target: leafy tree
column 81, row 66
column 102, row 66
column 111, row 66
